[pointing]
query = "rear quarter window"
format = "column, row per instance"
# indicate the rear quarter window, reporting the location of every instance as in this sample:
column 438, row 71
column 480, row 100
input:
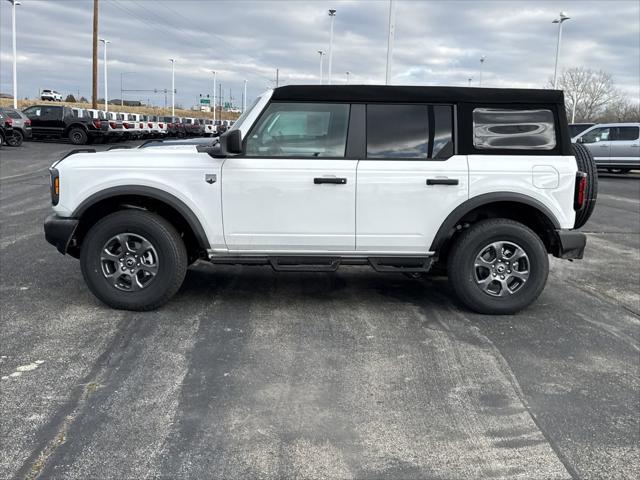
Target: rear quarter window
column 513, row 129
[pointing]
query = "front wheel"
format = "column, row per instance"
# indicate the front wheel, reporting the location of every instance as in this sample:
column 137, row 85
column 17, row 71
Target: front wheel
column 498, row 266
column 133, row 260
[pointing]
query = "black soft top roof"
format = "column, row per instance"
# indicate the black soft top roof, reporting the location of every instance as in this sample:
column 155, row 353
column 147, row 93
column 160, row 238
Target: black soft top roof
column 414, row 94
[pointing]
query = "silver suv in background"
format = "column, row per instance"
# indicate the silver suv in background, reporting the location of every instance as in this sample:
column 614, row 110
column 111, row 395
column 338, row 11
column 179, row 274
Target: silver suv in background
column 614, row 146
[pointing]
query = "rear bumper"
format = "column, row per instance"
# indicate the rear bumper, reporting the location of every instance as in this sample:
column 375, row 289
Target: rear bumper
column 59, row 231
column 570, row 244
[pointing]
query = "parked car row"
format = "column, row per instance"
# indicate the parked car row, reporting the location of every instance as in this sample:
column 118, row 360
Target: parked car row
column 82, row 126
column 614, row 146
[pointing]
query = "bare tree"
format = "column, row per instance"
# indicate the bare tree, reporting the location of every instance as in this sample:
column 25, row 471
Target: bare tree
column 587, row 93
column 620, row 110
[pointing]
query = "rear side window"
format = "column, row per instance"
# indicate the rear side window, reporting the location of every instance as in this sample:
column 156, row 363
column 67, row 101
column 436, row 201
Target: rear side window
column 417, row 132
column 512, row 129
column 626, row 133
column 300, row 130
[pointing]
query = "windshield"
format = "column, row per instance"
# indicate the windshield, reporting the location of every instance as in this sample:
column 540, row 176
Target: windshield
column 238, row 123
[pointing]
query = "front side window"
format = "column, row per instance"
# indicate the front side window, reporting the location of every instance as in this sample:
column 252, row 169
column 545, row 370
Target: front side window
column 626, row 133
column 513, row 129
column 300, row 130
column 601, row 134
column 33, row 112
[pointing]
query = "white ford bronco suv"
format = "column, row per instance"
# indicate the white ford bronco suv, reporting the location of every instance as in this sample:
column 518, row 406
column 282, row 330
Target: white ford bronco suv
column 480, row 183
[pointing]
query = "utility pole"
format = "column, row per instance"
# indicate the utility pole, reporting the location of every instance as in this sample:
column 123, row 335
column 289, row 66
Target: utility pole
column 214, row 96
column 244, row 97
column 392, row 34
column 14, row 4
column 106, row 90
column 332, row 16
column 94, row 85
column 173, row 87
column 321, row 52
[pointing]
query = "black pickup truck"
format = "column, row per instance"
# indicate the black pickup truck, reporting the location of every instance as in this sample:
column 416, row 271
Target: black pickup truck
column 60, row 122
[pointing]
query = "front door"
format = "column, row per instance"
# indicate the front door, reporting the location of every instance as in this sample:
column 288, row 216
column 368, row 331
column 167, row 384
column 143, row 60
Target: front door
column 410, row 178
column 598, row 141
column 293, row 189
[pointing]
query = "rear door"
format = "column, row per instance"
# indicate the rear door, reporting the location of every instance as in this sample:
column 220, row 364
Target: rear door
column 294, row 188
column 598, row 141
column 409, row 179
column 625, row 145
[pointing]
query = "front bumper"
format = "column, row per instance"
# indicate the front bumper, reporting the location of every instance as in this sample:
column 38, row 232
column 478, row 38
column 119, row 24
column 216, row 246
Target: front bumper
column 59, row 231
column 571, row 244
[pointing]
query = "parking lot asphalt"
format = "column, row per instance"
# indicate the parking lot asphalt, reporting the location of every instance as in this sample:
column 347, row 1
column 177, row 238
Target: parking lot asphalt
column 248, row 373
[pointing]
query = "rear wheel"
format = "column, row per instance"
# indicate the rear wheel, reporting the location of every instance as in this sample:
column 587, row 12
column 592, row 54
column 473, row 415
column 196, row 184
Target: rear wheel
column 498, row 267
column 133, row 260
column 78, row 136
column 586, row 164
column 15, row 139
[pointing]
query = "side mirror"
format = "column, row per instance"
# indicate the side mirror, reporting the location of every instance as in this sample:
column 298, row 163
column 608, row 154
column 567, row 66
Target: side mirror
column 231, row 142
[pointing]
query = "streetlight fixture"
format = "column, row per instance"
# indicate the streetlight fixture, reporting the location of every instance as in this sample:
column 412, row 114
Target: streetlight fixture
column 560, row 20
column 14, row 4
column 322, row 54
column 348, row 73
column 214, row 96
column 482, row 59
column 469, row 80
column 332, row 16
column 122, row 74
column 106, row 89
column 173, row 87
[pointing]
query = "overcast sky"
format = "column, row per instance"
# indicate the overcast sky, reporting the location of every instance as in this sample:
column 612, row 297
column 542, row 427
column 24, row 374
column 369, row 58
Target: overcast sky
column 437, row 43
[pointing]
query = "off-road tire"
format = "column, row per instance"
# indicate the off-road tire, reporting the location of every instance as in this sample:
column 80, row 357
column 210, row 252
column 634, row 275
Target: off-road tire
column 172, row 259
column 472, row 241
column 78, row 136
column 586, row 164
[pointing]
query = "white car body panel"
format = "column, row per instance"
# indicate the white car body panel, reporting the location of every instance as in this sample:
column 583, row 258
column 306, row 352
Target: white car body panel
column 396, row 209
column 179, row 172
column 529, row 175
column 273, row 204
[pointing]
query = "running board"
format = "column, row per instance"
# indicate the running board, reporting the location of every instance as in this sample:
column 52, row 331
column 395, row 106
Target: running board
column 299, row 263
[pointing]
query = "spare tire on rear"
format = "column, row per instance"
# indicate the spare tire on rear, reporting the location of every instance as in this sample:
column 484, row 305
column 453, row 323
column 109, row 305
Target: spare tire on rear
column 586, row 164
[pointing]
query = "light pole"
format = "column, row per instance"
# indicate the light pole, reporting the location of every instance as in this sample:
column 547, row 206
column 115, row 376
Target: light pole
column 469, row 80
column 321, row 52
column 173, row 87
column 392, row 34
column 214, row 96
column 560, row 20
column 348, row 73
column 332, row 16
column 14, row 4
column 106, row 88
column 244, row 97
column 482, row 59
column 122, row 74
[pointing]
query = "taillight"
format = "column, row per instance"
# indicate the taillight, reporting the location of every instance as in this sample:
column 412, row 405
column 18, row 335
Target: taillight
column 149, row 125
column 170, row 125
column 96, row 123
column 141, row 125
column 581, row 187
column 55, row 186
column 27, row 123
column 113, row 125
column 161, row 125
column 8, row 122
column 125, row 125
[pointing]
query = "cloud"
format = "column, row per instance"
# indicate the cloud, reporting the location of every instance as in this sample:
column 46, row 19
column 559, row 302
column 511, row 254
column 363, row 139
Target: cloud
column 437, row 43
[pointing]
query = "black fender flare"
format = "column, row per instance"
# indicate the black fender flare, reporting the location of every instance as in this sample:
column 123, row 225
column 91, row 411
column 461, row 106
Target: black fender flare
column 155, row 194
column 447, row 227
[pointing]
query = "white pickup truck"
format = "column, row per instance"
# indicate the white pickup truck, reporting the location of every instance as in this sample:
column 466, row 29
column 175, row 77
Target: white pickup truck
column 482, row 183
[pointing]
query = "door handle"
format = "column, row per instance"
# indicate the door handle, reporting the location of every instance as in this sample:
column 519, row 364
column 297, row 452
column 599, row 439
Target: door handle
column 442, row 181
column 332, row 180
